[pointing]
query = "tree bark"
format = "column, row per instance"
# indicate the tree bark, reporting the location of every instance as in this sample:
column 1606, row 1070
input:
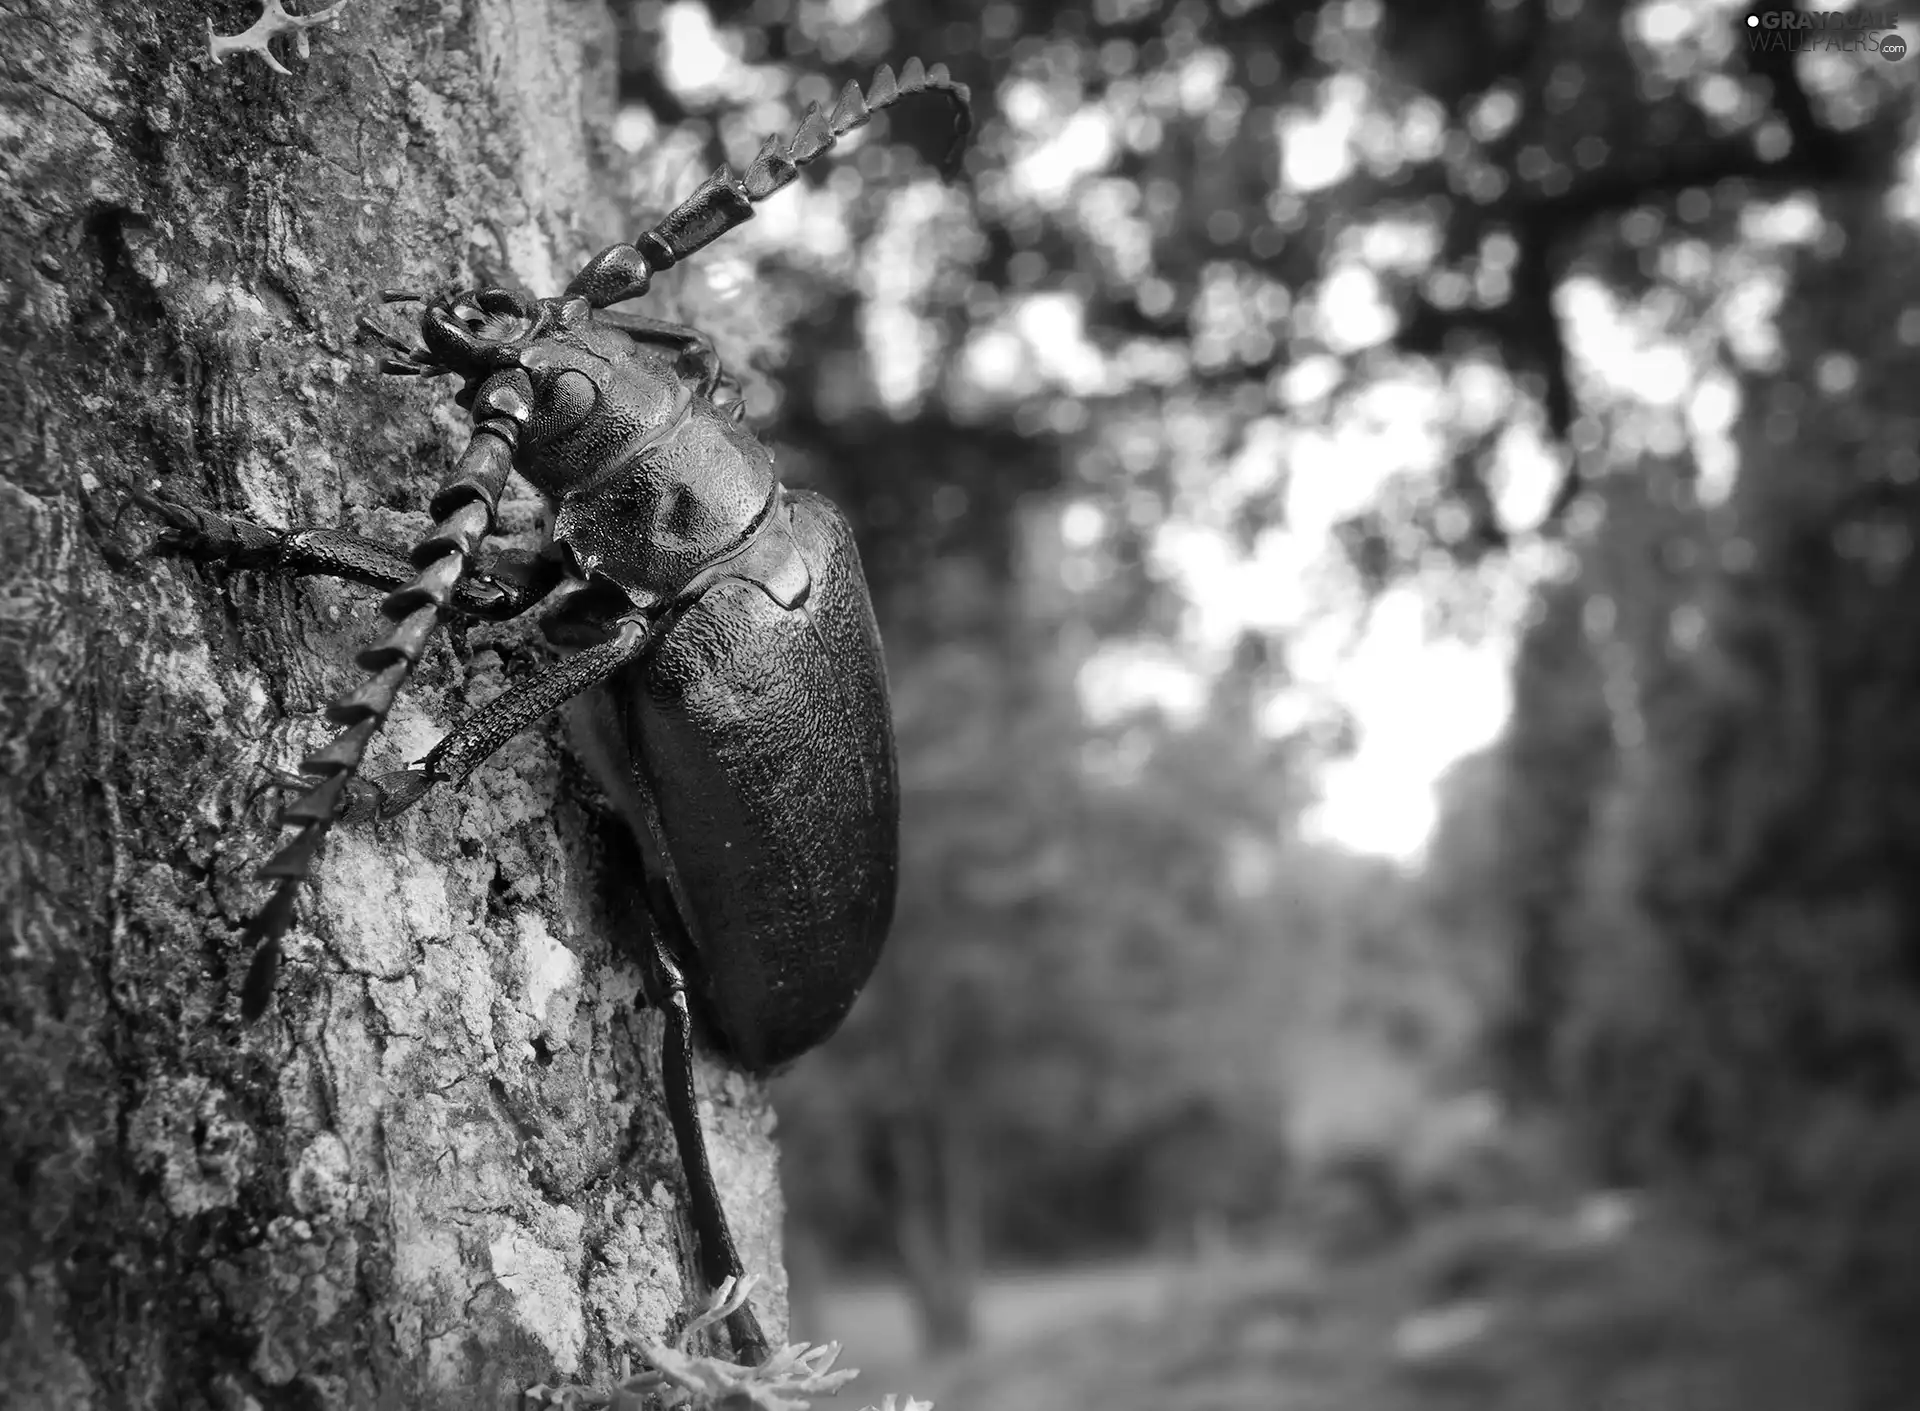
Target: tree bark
column 439, row 1170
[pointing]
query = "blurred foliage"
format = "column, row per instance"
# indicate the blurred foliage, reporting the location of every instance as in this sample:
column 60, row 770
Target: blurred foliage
column 1584, row 293
column 1193, row 233
column 1065, row 915
column 1716, row 767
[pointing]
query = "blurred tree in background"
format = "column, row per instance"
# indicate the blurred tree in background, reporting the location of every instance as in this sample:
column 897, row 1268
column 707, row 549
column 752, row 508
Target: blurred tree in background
column 1580, row 321
column 1727, row 989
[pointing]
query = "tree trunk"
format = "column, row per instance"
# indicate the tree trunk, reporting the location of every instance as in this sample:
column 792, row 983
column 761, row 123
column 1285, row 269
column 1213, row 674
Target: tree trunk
column 935, row 1227
column 439, row 1170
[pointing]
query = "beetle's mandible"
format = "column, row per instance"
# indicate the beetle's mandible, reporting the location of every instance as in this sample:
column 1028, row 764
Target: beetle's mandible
column 727, row 690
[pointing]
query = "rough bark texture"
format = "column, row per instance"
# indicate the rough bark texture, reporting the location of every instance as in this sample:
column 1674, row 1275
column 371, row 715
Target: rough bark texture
column 439, row 1171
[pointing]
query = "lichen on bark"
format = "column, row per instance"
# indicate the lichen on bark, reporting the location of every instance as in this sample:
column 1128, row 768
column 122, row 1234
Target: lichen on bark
column 439, row 1171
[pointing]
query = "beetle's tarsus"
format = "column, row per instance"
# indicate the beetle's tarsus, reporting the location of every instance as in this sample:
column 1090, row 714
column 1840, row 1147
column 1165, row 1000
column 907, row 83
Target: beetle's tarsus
column 199, row 534
column 729, row 1305
column 749, row 1341
column 399, row 791
column 274, row 23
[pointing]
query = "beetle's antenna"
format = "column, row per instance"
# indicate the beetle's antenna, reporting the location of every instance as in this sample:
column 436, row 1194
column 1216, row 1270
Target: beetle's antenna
column 725, row 200
column 463, row 513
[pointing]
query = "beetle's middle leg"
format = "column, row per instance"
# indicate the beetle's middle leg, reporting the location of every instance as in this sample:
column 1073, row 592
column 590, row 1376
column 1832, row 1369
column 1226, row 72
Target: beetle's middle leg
column 477, row 735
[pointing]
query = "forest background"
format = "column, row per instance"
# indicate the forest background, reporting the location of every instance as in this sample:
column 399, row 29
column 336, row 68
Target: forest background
column 1393, row 529
column 1394, row 533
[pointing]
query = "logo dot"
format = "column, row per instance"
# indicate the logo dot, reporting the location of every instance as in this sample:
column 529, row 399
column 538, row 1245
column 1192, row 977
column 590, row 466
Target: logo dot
column 1753, row 22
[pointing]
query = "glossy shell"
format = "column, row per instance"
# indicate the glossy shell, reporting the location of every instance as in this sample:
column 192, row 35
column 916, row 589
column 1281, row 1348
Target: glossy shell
column 764, row 739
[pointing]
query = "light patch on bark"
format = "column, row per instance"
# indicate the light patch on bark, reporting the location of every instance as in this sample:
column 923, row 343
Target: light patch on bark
column 188, row 669
column 542, row 1280
column 185, row 1132
column 322, row 1180
column 382, row 906
column 549, row 967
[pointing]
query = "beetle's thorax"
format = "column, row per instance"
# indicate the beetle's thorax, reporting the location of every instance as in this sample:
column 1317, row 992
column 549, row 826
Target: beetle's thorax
column 599, row 401
column 649, row 480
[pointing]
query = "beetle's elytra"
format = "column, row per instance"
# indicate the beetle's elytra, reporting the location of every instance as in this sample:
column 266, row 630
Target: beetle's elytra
column 727, row 689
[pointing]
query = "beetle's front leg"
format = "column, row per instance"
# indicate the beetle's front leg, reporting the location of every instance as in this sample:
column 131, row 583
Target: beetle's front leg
column 505, row 586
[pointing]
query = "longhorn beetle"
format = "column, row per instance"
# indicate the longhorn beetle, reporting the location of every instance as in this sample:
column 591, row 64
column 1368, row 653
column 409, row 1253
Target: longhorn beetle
column 728, row 689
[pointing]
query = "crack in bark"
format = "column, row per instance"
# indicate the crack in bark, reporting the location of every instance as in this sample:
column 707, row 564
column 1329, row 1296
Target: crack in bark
column 27, row 81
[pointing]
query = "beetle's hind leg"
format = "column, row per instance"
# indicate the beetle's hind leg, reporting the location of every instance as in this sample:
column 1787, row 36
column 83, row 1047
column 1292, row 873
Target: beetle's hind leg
column 719, row 1259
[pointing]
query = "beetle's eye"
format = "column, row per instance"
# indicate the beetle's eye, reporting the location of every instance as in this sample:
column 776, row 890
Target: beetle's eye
column 565, row 402
column 500, row 301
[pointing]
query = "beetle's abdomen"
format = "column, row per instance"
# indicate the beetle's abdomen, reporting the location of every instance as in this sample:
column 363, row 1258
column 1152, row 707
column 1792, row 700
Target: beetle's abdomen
column 766, row 737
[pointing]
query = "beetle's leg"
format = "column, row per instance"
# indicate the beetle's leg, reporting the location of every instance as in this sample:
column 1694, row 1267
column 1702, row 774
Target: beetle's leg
column 719, row 1260
column 698, row 357
column 477, row 735
column 503, row 586
column 464, row 749
column 587, row 617
column 724, row 200
column 414, row 360
column 697, row 353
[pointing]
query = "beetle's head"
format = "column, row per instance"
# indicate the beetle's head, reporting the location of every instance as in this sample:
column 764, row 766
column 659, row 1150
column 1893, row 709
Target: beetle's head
column 477, row 332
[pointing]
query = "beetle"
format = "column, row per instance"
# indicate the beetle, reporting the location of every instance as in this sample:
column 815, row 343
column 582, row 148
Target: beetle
column 726, row 683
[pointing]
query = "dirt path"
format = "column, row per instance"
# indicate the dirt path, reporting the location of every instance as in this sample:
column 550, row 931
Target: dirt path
column 1516, row 1311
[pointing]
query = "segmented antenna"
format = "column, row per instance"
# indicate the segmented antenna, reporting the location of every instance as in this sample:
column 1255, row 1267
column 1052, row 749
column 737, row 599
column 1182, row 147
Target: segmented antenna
column 463, row 512
column 777, row 162
column 725, row 200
